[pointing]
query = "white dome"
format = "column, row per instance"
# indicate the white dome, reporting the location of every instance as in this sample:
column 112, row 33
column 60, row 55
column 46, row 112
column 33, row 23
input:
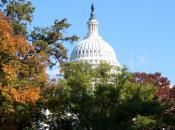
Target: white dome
column 93, row 48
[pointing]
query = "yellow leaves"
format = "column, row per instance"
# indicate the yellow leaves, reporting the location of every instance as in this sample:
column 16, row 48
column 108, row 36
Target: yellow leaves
column 22, row 72
column 5, row 24
column 5, row 33
column 9, row 43
column 10, row 72
column 27, row 95
column 21, row 61
column 22, row 68
column 22, row 45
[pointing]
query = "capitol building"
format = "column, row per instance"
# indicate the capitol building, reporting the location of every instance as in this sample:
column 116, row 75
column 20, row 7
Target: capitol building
column 93, row 49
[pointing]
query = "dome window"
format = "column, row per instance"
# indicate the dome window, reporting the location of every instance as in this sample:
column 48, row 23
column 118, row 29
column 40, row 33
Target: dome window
column 86, row 52
column 83, row 53
column 91, row 53
column 95, row 52
column 76, row 54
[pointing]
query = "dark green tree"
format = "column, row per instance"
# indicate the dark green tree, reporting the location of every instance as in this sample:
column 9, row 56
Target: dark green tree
column 118, row 104
column 51, row 39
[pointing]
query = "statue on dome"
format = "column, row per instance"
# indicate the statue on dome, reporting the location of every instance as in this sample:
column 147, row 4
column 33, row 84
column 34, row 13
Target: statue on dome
column 92, row 8
column 92, row 11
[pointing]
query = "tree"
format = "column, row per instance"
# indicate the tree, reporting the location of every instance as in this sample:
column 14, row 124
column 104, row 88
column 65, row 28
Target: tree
column 51, row 39
column 22, row 75
column 154, row 79
column 64, row 98
column 165, row 94
column 116, row 105
column 102, row 73
column 20, row 12
column 23, row 64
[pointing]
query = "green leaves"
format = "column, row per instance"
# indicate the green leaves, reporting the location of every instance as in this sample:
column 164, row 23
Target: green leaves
column 53, row 38
column 20, row 12
column 103, row 72
column 145, row 122
column 115, row 103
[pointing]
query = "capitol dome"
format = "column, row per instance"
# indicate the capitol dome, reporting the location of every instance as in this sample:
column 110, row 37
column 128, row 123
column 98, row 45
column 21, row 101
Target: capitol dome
column 93, row 49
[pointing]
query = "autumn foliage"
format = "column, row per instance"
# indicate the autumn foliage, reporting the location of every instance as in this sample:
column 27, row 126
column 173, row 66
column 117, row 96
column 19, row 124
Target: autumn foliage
column 18, row 62
column 134, row 100
column 165, row 93
column 30, row 95
column 154, row 79
column 22, row 71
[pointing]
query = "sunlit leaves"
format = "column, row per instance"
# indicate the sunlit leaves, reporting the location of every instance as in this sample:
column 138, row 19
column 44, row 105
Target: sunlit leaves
column 20, row 12
column 114, row 102
column 22, row 74
column 28, row 95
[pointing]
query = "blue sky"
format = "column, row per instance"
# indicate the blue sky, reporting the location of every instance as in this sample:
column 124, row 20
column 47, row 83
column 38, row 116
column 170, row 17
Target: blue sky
column 142, row 32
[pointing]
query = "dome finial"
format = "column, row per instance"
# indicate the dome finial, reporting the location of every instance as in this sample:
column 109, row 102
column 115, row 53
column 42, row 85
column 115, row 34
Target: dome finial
column 92, row 11
column 92, row 8
column 92, row 23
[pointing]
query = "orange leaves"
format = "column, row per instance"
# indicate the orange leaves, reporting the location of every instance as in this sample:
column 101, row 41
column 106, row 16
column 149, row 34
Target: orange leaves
column 5, row 33
column 19, row 59
column 28, row 95
column 5, row 24
column 21, row 67
column 22, row 45
column 22, row 74
column 10, row 72
column 9, row 43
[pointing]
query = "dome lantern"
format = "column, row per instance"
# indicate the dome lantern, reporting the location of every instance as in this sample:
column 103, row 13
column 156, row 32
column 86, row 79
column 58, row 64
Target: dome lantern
column 92, row 24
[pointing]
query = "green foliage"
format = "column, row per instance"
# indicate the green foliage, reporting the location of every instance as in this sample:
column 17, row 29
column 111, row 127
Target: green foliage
column 144, row 123
column 116, row 105
column 102, row 72
column 51, row 39
column 85, row 98
column 20, row 12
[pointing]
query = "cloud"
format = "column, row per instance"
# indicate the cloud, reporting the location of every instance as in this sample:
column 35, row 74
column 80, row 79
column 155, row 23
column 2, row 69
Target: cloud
column 135, row 61
column 143, row 59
